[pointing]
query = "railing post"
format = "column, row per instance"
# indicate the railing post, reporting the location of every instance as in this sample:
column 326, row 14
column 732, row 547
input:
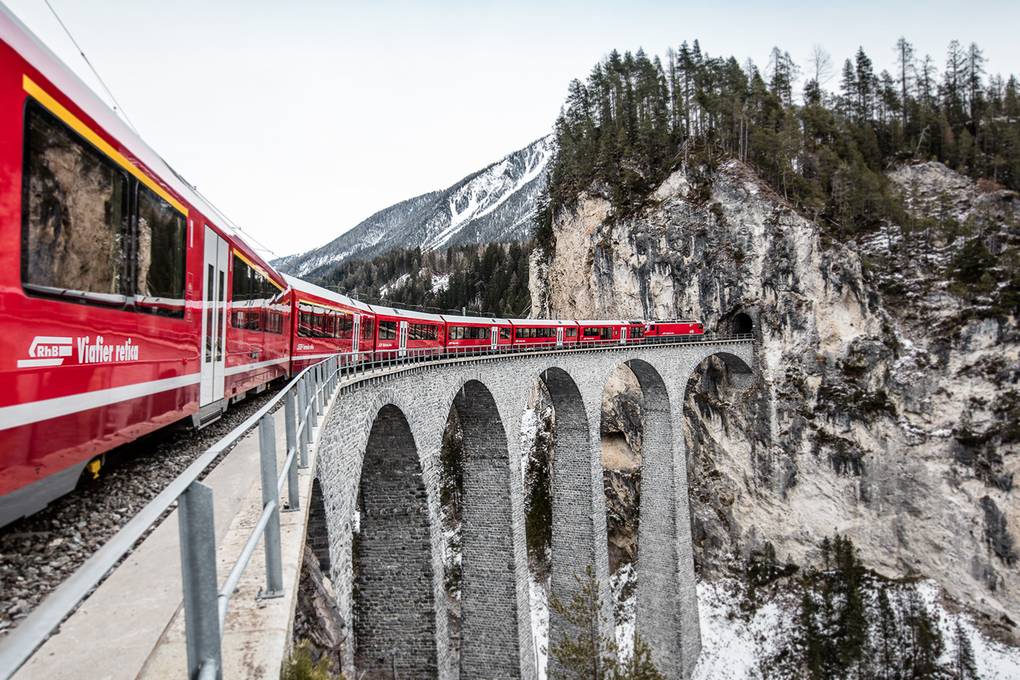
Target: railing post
column 197, row 533
column 302, row 404
column 318, row 389
column 267, row 458
column 313, row 387
column 290, row 422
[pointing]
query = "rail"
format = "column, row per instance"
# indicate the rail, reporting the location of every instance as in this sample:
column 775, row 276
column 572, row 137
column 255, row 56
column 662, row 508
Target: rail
column 305, row 397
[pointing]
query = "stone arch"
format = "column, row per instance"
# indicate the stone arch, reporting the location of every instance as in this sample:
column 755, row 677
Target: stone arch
column 578, row 543
column 490, row 644
column 658, row 572
column 394, row 598
column 318, row 527
column 740, row 374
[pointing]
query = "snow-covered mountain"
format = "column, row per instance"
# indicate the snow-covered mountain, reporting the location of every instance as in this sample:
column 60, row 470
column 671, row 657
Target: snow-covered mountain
column 491, row 205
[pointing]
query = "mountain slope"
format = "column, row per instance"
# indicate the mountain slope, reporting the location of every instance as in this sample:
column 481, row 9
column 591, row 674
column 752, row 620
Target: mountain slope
column 493, row 204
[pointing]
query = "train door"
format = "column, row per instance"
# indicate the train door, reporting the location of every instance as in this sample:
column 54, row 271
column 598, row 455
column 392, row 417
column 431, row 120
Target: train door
column 214, row 317
column 623, row 335
column 403, row 339
column 493, row 338
column 356, row 338
column 559, row 336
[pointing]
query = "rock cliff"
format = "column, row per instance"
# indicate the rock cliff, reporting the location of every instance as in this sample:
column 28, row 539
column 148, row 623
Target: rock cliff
column 887, row 399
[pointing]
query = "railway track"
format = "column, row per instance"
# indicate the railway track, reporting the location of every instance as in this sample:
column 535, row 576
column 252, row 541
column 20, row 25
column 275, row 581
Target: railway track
column 37, row 553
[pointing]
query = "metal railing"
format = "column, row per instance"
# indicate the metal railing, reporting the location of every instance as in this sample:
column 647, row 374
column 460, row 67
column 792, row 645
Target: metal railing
column 305, row 398
column 206, row 603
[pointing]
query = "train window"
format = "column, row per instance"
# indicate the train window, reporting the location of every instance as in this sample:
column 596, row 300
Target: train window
column 162, row 251
column 345, row 325
column 504, row 333
column 387, row 330
column 274, row 322
column 571, row 332
column 422, row 331
column 366, row 328
column 467, row 333
column 598, row 332
column 247, row 319
column 637, row 331
column 536, row 332
column 311, row 321
column 75, row 214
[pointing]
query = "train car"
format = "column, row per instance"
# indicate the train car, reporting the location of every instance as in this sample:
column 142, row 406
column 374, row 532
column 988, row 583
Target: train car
column 605, row 331
column 469, row 333
column 401, row 333
column 543, row 332
column 664, row 330
column 115, row 282
column 257, row 337
column 325, row 323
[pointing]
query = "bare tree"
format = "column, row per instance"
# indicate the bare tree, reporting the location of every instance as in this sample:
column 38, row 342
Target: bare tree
column 820, row 63
column 905, row 61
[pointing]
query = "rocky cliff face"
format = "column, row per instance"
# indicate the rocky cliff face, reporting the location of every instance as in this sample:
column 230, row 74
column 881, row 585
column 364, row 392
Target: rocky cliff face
column 887, row 400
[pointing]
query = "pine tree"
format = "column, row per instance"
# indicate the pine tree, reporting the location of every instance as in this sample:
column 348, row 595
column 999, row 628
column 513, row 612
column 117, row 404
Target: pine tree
column 964, row 665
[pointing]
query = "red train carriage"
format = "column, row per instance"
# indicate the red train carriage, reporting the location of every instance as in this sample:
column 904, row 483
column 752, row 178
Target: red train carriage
column 464, row 333
column 664, row 330
column 258, row 322
column 327, row 323
column 114, row 285
column 400, row 333
column 607, row 331
column 539, row 332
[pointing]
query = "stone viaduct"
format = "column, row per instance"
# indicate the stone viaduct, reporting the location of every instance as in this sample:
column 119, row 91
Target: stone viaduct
column 379, row 474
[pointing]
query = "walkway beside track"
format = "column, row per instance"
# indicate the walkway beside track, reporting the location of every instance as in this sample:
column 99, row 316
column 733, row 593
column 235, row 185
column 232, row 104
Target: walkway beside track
column 126, row 629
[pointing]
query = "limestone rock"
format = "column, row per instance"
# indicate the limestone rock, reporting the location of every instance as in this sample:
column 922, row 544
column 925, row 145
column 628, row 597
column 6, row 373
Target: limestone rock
column 882, row 407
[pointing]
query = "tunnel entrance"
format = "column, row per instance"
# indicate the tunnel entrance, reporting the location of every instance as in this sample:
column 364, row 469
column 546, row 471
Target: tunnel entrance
column 741, row 324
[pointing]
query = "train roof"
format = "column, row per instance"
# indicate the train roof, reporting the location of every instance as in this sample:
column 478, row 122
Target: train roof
column 543, row 322
column 16, row 34
column 405, row 313
column 453, row 318
column 302, row 285
column 606, row 322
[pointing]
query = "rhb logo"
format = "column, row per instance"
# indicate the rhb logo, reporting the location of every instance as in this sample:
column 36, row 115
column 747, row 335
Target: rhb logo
column 46, row 351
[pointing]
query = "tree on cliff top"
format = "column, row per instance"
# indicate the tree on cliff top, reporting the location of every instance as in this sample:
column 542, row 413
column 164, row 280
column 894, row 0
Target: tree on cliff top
column 634, row 120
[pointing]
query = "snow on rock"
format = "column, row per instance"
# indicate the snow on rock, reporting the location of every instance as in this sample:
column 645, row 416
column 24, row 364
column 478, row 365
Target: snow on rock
column 440, row 283
column 394, row 285
column 539, row 596
column 731, row 645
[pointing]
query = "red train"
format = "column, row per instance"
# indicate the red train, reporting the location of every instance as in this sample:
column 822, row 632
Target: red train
column 127, row 305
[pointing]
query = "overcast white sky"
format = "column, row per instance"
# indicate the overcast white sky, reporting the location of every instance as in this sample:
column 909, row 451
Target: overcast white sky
column 301, row 118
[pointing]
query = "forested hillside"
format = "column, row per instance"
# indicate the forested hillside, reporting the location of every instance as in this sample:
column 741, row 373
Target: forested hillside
column 491, row 279
column 823, row 146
